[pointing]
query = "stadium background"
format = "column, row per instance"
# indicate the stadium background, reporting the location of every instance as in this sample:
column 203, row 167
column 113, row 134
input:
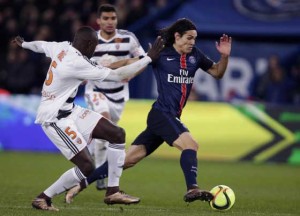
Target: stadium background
column 229, row 118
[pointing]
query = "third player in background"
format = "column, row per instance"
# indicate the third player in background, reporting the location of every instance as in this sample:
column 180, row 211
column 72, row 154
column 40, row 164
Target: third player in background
column 108, row 98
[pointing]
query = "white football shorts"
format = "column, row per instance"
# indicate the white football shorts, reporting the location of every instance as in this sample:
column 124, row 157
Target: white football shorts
column 98, row 102
column 72, row 133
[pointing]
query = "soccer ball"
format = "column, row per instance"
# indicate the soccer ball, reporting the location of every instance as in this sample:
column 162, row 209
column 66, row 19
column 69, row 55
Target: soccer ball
column 224, row 198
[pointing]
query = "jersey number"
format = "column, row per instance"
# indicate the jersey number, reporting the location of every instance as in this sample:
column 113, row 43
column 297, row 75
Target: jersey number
column 72, row 134
column 50, row 73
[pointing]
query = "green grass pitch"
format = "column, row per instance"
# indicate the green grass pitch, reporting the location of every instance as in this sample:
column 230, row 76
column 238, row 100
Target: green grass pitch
column 261, row 189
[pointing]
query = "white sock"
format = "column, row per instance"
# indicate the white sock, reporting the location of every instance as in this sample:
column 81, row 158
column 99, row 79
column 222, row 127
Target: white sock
column 66, row 181
column 116, row 158
column 100, row 151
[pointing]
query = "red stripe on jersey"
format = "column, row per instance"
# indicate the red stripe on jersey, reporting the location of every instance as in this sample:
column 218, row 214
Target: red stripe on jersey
column 183, row 61
column 183, row 98
column 183, row 86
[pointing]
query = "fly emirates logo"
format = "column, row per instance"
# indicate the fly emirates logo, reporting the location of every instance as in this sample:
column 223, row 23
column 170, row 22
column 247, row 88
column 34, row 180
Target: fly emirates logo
column 183, row 78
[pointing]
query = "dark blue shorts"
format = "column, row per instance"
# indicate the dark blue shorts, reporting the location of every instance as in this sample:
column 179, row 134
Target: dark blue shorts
column 161, row 127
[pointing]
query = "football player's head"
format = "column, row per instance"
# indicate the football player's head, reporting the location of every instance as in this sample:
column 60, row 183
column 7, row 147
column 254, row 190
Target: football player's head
column 107, row 18
column 181, row 34
column 85, row 41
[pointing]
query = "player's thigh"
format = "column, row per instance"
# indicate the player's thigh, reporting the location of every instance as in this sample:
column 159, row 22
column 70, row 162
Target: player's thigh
column 149, row 140
column 185, row 141
column 85, row 120
column 165, row 126
column 66, row 137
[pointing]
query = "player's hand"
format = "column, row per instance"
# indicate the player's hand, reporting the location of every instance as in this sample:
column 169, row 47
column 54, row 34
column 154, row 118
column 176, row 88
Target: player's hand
column 18, row 40
column 154, row 50
column 224, row 46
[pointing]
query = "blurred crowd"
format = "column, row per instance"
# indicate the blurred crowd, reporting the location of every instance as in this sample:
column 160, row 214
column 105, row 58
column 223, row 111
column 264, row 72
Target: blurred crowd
column 55, row 20
column 280, row 84
column 51, row 20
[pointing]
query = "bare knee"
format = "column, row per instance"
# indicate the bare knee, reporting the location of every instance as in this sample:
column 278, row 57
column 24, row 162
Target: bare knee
column 119, row 135
column 186, row 141
column 195, row 147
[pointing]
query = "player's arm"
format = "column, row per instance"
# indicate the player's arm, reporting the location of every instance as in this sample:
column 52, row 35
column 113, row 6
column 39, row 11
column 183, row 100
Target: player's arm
column 224, row 47
column 135, row 68
column 122, row 63
column 35, row 46
column 137, row 51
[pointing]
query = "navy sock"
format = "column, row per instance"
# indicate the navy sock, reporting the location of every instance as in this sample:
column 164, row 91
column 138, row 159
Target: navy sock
column 100, row 173
column 189, row 164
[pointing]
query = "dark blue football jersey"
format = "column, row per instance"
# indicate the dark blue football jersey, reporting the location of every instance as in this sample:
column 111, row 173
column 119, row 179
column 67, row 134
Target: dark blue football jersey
column 174, row 75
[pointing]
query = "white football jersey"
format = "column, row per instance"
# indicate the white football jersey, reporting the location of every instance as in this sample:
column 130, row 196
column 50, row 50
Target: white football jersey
column 122, row 46
column 67, row 71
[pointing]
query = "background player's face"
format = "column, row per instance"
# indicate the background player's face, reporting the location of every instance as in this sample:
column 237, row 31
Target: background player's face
column 185, row 43
column 108, row 22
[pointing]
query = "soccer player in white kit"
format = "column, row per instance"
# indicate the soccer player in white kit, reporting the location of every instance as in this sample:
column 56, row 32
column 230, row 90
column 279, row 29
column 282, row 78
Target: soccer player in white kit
column 106, row 97
column 70, row 127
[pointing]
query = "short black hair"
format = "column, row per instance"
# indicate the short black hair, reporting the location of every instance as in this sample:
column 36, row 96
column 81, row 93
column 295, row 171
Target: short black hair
column 106, row 8
column 85, row 41
column 85, row 33
column 181, row 26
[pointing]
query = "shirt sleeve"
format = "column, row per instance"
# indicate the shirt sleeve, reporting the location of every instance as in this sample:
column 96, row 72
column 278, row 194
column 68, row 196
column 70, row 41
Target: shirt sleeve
column 85, row 69
column 49, row 48
column 136, row 48
column 35, row 46
column 89, row 70
column 128, row 71
column 204, row 63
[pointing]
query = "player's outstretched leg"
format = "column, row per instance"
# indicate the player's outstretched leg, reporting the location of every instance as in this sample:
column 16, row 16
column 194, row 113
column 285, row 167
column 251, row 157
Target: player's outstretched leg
column 100, row 173
column 116, row 159
column 188, row 162
column 113, row 195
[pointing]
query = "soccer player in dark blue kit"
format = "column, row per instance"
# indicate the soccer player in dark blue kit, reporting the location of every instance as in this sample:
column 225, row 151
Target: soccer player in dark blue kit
column 174, row 71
